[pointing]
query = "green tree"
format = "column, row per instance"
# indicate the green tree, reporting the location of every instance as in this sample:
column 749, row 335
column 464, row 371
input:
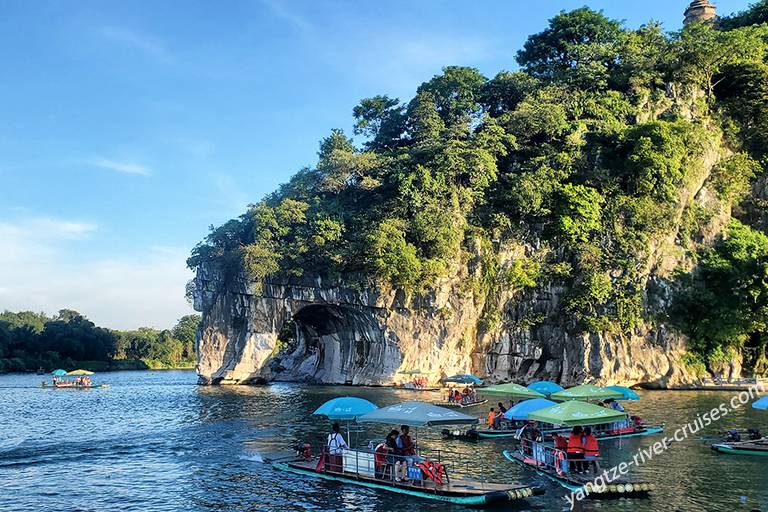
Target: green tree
column 381, row 119
column 579, row 48
column 725, row 303
column 702, row 51
column 456, row 94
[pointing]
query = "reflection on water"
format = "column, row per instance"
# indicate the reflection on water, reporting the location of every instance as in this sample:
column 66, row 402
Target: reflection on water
column 155, row 441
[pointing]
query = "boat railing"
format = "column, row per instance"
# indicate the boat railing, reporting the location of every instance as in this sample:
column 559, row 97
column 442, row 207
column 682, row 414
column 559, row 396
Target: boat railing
column 545, row 456
column 429, row 469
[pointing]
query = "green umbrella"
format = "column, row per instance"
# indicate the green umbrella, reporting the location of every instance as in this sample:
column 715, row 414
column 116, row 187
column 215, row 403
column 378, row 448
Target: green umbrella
column 512, row 389
column 586, row 392
column 576, row 413
column 416, row 414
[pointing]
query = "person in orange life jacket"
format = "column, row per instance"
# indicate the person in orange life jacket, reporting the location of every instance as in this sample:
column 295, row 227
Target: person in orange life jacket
column 491, row 418
column 591, row 450
column 575, row 450
column 336, row 445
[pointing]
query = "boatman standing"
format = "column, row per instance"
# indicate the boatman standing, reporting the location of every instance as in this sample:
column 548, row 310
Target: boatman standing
column 336, row 446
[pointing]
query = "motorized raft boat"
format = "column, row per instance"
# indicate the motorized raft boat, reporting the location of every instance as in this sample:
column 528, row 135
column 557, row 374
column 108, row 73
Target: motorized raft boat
column 431, row 476
column 76, row 379
column 547, row 460
column 515, row 417
column 759, row 447
column 751, row 446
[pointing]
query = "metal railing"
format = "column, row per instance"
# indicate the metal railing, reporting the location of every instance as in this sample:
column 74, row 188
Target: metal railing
column 361, row 464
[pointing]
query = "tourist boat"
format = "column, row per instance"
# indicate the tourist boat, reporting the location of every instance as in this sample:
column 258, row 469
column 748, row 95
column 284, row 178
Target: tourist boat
column 553, row 463
column 620, row 488
column 632, row 427
column 462, row 404
column 758, row 447
column 515, row 417
column 76, row 379
column 434, row 478
column 748, row 447
column 470, row 399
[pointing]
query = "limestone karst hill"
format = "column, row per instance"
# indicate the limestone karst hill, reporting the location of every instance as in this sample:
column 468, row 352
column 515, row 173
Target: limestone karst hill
column 598, row 215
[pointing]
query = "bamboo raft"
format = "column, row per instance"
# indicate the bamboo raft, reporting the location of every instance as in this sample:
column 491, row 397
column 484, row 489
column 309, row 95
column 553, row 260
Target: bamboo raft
column 581, row 482
column 759, row 447
column 457, row 491
column 461, row 405
column 475, row 434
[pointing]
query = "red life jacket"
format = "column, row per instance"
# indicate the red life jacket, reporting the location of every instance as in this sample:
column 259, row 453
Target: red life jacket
column 590, row 446
column 380, row 455
column 574, row 444
column 560, row 443
column 433, row 470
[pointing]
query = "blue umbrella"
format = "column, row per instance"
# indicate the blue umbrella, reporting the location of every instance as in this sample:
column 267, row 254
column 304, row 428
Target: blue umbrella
column 521, row 410
column 761, row 404
column 466, row 378
column 345, row 408
column 58, row 373
column 545, row 387
column 628, row 393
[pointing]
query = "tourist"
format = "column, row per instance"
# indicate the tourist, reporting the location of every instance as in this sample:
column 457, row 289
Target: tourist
column 616, row 406
column 499, row 416
column 392, row 455
column 491, row 418
column 336, row 445
column 575, row 450
column 407, row 449
column 591, row 450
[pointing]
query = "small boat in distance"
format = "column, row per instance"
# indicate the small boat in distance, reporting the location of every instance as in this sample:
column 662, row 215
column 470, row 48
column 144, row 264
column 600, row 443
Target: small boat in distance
column 76, row 379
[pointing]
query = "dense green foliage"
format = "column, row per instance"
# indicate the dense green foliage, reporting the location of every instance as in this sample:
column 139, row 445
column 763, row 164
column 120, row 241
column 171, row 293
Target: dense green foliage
column 725, row 305
column 590, row 153
column 29, row 341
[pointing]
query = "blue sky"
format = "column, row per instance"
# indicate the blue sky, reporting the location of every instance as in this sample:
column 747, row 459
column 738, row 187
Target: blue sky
column 130, row 127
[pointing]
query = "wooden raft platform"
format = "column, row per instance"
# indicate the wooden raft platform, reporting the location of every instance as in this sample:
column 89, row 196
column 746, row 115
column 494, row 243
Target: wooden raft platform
column 460, row 491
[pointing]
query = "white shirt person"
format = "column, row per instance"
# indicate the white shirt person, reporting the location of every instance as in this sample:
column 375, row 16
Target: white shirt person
column 336, row 442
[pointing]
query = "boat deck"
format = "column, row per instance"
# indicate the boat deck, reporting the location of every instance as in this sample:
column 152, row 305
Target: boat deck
column 574, row 481
column 759, row 447
column 454, row 487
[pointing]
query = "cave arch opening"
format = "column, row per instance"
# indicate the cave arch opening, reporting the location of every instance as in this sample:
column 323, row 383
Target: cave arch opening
column 334, row 343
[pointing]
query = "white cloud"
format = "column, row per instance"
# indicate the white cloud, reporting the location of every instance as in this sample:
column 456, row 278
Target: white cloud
column 124, row 167
column 281, row 11
column 37, row 273
column 405, row 59
column 136, row 40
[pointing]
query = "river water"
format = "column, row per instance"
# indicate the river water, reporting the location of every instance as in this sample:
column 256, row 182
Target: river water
column 154, row 441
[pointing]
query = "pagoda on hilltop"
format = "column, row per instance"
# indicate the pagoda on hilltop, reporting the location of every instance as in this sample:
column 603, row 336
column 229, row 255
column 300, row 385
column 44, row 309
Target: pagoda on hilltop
column 702, row 11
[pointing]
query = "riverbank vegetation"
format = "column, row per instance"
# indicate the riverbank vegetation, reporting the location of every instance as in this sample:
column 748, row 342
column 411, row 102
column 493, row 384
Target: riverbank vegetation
column 30, row 341
column 594, row 149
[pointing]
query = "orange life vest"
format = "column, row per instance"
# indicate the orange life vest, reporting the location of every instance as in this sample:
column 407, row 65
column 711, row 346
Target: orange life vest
column 491, row 417
column 574, row 444
column 590, row 446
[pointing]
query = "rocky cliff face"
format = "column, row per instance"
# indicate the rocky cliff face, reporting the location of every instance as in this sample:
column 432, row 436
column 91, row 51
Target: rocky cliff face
column 310, row 331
